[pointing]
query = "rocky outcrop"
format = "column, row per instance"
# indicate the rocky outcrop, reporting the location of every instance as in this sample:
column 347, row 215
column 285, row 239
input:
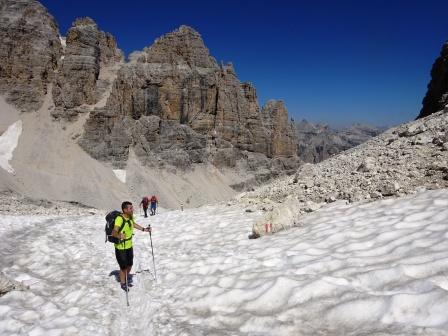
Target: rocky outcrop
column 88, row 51
column 7, row 285
column 318, row 142
column 182, row 47
column 400, row 161
column 175, row 106
column 29, row 54
column 283, row 139
column 437, row 95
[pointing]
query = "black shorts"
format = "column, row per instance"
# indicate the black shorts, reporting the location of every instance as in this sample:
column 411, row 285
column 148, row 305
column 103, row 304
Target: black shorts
column 125, row 258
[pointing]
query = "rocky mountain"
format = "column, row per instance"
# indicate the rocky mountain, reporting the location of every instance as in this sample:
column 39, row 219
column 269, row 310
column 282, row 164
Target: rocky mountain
column 176, row 107
column 170, row 110
column 87, row 57
column 400, row 161
column 29, row 54
column 318, row 142
column 436, row 97
column 281, row 140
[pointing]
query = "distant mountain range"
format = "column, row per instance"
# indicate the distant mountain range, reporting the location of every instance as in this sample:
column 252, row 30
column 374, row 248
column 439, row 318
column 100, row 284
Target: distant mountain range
column 317, row 142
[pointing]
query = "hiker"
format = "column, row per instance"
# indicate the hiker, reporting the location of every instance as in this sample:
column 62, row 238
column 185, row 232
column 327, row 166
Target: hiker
column 144, row 204
column 154, row 203
column 123, row 249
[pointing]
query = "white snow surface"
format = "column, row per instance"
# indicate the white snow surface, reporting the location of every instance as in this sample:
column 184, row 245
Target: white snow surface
column 379, row 268
column 120, row 174
column 8, row 142
column 63, row 40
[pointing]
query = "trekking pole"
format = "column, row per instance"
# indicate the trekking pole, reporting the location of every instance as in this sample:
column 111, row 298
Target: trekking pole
column 153, row 262
column 127, row 288
column 126, row 278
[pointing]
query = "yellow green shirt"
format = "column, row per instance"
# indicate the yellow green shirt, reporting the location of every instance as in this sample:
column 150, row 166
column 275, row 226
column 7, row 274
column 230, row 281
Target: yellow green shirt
column 128, row 230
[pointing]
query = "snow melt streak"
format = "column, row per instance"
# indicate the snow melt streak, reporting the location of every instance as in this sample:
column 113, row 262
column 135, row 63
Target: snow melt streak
column 8, row 142
column 120, row 174
column 374, row 268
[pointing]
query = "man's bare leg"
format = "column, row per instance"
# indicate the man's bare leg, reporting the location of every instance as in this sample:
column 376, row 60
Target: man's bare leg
column 122, row 275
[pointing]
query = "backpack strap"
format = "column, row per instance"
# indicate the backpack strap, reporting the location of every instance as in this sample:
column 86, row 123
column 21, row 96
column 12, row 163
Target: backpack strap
column 123, row 224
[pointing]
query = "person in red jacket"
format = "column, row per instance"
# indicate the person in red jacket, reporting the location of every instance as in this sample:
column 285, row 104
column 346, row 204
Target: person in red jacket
column 144, row 204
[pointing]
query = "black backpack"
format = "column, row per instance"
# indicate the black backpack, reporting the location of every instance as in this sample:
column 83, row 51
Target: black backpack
column 110, row 223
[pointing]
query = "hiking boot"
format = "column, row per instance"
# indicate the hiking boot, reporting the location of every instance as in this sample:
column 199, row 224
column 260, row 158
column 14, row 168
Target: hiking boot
column 123, row 287
column 130, row 280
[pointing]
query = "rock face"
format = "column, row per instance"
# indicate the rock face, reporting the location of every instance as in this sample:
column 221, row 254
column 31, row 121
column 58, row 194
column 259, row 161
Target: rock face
column 29, row 54
column 437, row 95
column 171, row 104
column 175, row 106
column 400, row 161
column 283, row 139
column 183, row 47
column 318, row 142
column 87, row 52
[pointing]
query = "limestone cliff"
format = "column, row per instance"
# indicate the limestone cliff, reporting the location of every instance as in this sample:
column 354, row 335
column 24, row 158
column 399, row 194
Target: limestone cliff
column 30, row 50
column 88, row 51
column 176, row 106
column 283, row 139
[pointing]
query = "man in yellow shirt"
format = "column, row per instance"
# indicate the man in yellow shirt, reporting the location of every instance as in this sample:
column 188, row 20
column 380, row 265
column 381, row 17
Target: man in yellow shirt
column 123, row 249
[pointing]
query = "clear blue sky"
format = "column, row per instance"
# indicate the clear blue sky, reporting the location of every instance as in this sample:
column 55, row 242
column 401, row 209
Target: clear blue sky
column 330, row 61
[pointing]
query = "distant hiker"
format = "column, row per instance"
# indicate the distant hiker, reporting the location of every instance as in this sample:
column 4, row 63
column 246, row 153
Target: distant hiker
column 144, row 204
column 154, row 203
column 123, row 249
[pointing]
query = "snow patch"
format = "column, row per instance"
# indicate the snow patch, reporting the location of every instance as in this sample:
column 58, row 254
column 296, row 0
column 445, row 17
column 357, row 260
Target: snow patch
column 8, row 143
column 64, row 45
column 63, row 41
column 362, row 269
column 120, row 174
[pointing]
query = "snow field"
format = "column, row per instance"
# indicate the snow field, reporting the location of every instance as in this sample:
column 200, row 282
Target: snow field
column 376, row 268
